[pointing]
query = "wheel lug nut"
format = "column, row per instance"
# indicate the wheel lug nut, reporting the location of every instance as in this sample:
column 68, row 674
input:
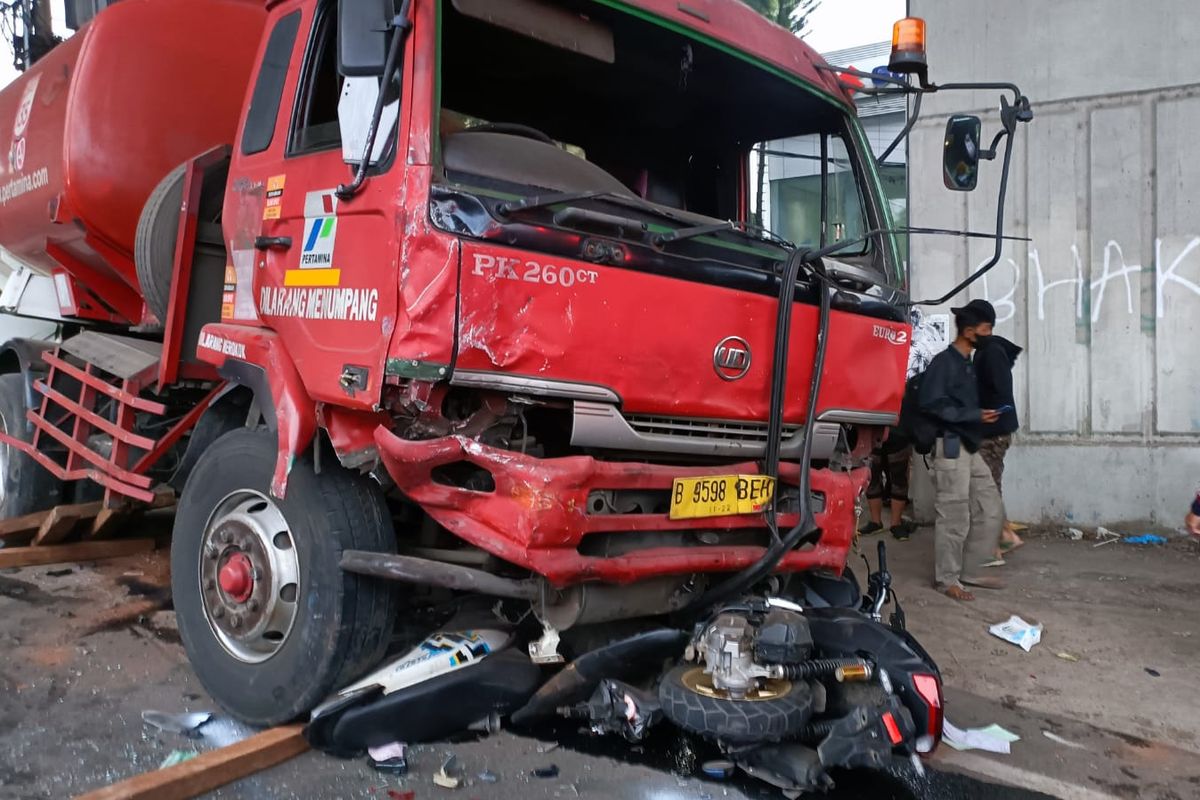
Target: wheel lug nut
column 235, row 621
column 218, row 612
column 254, row 606
column 210, row 584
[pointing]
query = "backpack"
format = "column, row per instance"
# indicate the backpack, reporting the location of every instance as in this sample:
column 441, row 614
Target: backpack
column 915, row 424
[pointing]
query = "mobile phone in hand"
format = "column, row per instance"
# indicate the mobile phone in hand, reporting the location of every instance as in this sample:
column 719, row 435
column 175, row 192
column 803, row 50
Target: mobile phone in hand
column 1004, row 409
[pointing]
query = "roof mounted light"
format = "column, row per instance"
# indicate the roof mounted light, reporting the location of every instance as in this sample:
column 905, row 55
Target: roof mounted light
column 908, row 47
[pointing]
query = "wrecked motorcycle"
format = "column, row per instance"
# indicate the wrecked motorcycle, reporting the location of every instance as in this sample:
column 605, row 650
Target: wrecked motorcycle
column 789, row 685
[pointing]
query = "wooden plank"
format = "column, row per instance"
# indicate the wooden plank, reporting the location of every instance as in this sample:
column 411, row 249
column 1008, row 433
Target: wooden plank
column 76, row 551
column 109, row 520
column 62, row 520
column 22, row 528
column 210, row 770
column 106, row 522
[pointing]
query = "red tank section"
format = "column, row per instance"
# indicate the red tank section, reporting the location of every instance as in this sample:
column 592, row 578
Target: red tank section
column 89, row 131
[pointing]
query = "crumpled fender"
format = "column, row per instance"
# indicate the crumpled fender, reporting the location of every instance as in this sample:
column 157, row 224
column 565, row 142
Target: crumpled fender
column 257, row 358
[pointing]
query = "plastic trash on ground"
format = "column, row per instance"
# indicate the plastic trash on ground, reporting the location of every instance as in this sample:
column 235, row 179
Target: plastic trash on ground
column 187, row 724
column 1145, row 538
column 1019, row 632
column 992, row 739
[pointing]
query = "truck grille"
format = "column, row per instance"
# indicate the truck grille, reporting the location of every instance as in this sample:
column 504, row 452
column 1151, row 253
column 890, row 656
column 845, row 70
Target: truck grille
column 724, row 430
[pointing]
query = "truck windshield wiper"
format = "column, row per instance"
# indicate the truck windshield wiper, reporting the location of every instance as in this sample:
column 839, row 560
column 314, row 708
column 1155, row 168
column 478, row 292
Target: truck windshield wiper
column 543, row 200
column 744, row 229
column 533, row 202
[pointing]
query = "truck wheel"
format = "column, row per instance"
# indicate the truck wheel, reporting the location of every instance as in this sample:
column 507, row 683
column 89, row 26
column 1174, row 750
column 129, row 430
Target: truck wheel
column 780, row 710
column 158, row 232
column 25, row 485
column 270, row 622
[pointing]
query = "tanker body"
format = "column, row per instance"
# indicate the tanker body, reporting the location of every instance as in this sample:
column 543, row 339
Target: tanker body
column 93, row 127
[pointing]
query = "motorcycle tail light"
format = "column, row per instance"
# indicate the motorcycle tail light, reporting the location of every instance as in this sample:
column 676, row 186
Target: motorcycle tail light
column 930, row 690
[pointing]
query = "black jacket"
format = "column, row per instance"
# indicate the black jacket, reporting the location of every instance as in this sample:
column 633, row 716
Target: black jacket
column 949, row 394
column 993, row 367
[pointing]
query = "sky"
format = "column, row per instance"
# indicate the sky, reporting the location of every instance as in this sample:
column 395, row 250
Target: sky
column 837, row 24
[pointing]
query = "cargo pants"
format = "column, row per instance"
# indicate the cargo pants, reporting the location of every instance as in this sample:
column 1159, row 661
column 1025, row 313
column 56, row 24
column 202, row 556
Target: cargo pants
column 969, row 515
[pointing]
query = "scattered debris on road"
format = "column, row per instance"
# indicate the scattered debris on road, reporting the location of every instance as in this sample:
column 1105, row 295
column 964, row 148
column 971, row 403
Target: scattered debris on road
column 1018, row 632
column 187, row 724
column 992, row 739
column 1145, row 538
column 1054, row 737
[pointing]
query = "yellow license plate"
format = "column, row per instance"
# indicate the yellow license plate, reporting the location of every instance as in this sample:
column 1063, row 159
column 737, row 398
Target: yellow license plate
column 720, row 495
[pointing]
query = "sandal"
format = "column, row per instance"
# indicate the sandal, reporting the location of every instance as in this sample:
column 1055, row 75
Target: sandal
column 984, row 583
column 958, row 593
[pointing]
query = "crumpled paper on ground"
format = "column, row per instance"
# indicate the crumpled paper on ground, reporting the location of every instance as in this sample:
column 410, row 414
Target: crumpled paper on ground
column 992, row 739
column 1019, row 632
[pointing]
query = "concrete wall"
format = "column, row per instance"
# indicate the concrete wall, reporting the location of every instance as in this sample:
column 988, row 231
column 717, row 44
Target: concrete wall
column 1105, row 299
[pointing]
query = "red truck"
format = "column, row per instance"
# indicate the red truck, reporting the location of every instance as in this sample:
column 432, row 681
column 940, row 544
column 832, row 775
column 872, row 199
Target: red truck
column 467, row 296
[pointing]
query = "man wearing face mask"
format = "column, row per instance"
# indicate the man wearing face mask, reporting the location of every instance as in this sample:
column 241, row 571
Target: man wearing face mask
column 969, row 512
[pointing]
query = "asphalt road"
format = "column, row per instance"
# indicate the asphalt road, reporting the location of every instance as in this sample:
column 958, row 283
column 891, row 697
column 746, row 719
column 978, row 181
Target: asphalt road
column 84, row 649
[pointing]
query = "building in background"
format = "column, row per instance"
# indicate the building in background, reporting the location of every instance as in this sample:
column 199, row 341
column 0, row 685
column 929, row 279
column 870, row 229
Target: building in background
column 1105, row 299
column 792, row 182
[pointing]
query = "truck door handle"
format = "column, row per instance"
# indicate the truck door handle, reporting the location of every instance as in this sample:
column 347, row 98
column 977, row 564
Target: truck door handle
column 272, row 242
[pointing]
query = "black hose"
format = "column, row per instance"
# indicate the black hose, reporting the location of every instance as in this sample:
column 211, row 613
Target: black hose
column 807, row 525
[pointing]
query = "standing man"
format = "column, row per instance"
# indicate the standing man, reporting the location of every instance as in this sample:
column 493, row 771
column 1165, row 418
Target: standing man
column 969, row 511
column 995, row 358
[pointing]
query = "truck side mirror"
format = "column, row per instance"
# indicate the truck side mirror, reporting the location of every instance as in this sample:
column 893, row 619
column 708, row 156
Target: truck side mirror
column 960, row 153
column 363, row 28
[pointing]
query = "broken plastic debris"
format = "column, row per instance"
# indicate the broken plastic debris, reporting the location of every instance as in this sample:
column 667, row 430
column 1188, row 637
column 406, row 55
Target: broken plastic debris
column 1075, row 534
column 1153, row 673
column 177, row 757
column 1054, row 737
column 1065, row 656
column 1105, row 536
column 992, row 739
column 187, row 723
column 386, row 751
column 719, row 769
column 546, row 772
column 405, row 795
column 617, row 707
column 443, row 778
column 1145, row 538
column 487, row 776
column 58, row 573
column 1019, row 632
column 389, row 758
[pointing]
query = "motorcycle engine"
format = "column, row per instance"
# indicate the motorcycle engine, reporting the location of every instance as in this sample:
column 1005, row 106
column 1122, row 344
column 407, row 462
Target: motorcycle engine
column 739, row 647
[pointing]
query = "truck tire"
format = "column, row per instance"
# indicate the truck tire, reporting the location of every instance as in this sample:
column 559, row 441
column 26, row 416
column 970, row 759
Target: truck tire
column 158, row 232
column 154, row 244
column 735, row 721
column 25, row 485
column 270, row 622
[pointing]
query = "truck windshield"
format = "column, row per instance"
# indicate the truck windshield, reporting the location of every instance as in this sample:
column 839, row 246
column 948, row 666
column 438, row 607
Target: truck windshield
column 658, row 117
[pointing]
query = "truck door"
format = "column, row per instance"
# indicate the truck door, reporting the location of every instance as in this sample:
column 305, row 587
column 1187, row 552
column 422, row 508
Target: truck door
column 327, row 276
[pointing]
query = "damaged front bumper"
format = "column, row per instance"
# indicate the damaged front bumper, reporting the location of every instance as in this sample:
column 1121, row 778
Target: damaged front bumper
column 536, row 513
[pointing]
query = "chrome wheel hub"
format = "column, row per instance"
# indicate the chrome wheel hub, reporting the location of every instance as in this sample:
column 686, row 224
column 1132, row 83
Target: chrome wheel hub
column 249, row 576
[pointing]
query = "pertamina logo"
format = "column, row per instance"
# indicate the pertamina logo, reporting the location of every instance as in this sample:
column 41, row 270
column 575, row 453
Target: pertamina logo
column 319, row 237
